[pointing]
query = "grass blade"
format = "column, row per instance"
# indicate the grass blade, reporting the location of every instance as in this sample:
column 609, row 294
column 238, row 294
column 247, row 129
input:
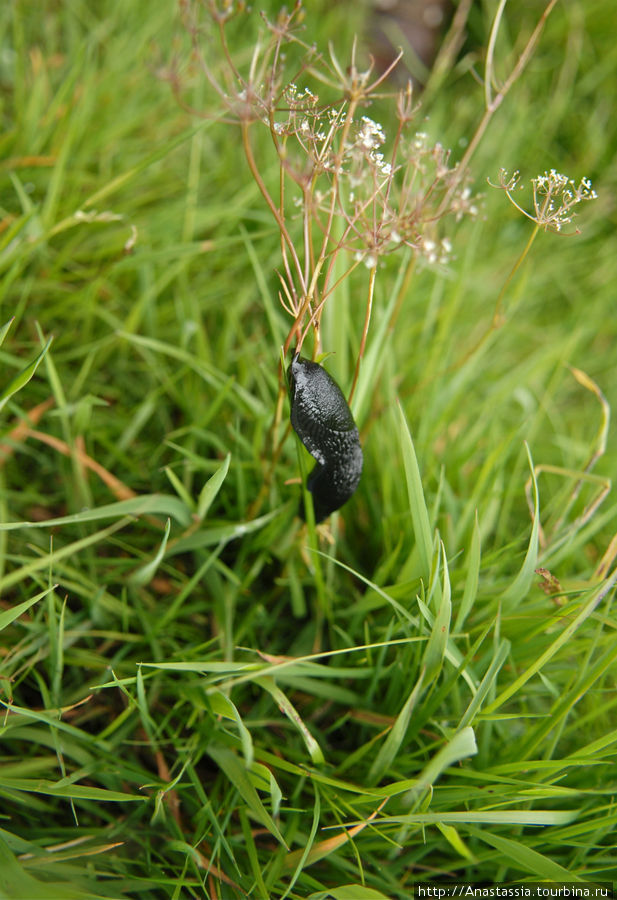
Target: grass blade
column 438, row 641
column 5, row 328
column 356, row 892
column 211, row 488
column 513, row 595
column 222, row 706
column 570, row 629
column 9, row 615
column 292, row 714
column 530, row 860
column 501, row 654
column 147, row 504
column 387, row 753
column 490, row 817
column 415, row 493
column 461, row 746
column 145, row 573
column 237, row 775
column 471, row 581
column 24, row 376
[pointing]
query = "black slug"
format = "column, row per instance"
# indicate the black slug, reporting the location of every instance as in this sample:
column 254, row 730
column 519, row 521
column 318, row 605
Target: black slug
column 322, row 420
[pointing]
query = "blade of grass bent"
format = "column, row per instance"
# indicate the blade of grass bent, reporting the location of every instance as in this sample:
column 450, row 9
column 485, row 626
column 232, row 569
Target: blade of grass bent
column 145, row 573
column 461, row 746
column 286, row 706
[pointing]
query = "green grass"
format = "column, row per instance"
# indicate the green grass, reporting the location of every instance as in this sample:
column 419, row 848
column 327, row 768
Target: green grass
column 204, row 700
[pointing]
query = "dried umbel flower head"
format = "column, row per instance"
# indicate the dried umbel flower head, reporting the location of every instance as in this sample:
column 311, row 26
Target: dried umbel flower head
column 554, row 196
column 346, row 190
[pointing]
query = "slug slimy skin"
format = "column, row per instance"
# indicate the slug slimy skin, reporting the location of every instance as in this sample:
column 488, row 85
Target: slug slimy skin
column 322, row 420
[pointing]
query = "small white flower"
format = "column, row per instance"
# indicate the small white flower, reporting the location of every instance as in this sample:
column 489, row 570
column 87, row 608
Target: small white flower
column 429, row 248
column 309, row 95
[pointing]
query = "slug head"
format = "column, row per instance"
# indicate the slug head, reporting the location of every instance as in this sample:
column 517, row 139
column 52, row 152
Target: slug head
column 317, row 402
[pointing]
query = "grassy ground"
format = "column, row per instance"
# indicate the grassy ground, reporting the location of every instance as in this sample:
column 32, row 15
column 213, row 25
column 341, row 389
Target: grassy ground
column 202, row 700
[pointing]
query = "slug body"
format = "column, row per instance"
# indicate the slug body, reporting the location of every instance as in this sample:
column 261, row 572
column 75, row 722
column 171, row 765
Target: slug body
column 322, row 420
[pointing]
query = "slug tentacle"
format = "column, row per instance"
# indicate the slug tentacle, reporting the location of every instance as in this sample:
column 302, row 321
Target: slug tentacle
column 323, row 421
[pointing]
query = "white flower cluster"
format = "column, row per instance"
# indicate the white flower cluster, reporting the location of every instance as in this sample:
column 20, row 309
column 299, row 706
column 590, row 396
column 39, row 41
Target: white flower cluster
column 554, row 183
column 554, row 197
column 465, row 204
column 509, row 182
column 303, row 118
column 297, row 98
column 383, row 210
column 363, row 153
column 436, row 252
column 384, row 167
column 370, row 134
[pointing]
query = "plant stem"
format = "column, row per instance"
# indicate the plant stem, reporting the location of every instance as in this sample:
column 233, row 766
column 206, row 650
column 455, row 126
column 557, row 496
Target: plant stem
column 278, row 215
column 497, row 322
column 367, row 320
